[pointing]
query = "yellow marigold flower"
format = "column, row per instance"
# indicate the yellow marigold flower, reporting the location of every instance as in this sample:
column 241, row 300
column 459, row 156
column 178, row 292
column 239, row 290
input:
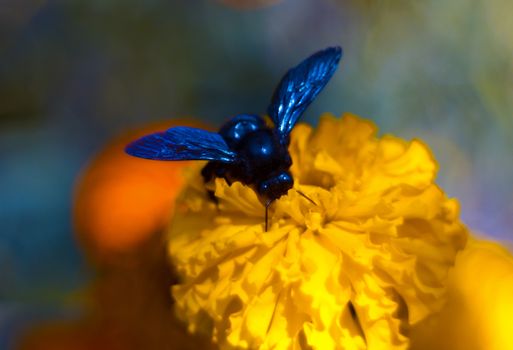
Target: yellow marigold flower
column 354, row 271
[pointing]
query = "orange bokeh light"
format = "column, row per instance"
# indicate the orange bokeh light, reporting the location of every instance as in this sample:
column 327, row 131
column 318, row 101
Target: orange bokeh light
column 120, row 200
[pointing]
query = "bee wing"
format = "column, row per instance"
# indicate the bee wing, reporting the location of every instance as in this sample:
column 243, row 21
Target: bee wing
column 182, row 143
column 299, row 87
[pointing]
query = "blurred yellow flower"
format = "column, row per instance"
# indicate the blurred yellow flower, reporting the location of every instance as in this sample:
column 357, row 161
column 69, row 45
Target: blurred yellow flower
column 354, row 271
column 479, row 306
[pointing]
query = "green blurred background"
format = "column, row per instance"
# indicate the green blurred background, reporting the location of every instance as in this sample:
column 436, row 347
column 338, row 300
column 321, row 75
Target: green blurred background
column 75, row 73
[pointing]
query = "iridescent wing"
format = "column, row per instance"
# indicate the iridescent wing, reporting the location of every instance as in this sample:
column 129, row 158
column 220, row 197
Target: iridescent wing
column 299, row 87
column 182, row 143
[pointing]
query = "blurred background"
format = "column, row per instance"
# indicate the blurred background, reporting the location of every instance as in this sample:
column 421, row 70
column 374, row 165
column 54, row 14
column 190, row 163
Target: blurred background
column 73, row 74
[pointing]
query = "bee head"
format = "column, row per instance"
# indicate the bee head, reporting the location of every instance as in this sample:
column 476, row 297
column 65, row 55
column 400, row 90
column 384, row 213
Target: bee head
column 275, row 186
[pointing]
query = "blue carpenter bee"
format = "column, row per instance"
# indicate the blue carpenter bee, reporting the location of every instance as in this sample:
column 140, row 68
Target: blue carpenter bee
column 246, row 148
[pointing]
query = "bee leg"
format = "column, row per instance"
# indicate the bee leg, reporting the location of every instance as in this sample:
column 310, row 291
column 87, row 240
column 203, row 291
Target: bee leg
column 209, row 173
column 212, row 196
column 267, row 204
column 266, row 210
column 216, row 170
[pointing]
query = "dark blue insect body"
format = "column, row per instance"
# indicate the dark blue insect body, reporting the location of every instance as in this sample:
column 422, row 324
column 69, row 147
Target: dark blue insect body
column 246, row 148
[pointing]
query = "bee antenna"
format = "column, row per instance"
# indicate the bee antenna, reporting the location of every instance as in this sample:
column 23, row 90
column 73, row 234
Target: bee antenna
column 267, row 212
column 308, row 198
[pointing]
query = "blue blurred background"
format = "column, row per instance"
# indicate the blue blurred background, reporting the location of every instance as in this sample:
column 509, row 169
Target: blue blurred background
column 75, row 73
